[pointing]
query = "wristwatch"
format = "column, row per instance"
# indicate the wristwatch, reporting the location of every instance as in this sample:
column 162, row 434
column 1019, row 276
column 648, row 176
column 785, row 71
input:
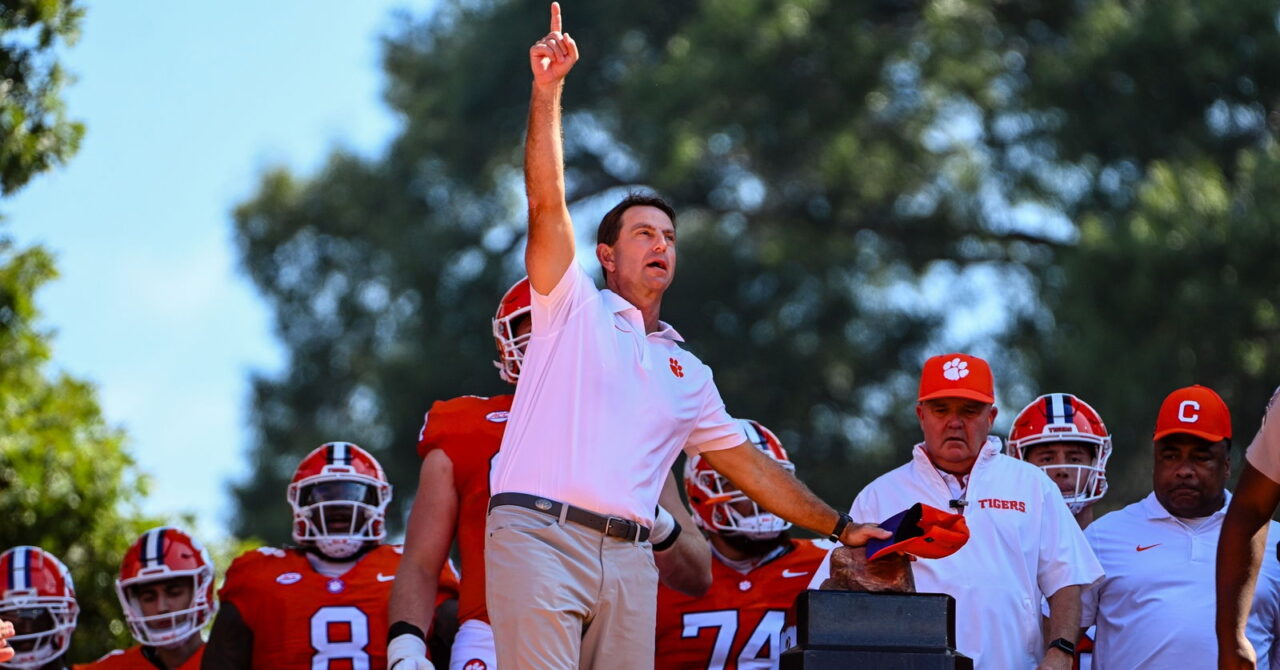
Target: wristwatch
column 844, row 521
column 1065, row 645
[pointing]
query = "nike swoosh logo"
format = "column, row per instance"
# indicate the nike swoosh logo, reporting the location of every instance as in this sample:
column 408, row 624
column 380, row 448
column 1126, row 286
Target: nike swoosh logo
column 789, row 573
column 1142, row 548
column 384, row 578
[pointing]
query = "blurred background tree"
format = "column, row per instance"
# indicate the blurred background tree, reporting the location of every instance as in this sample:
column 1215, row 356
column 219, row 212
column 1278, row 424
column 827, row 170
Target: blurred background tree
column 1075, row 191
column 67, row 483
column 35, row 135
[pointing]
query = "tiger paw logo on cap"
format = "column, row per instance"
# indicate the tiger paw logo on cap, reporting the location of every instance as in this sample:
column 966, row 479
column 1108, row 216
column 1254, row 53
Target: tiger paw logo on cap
column 957, row 375
column 955, row 369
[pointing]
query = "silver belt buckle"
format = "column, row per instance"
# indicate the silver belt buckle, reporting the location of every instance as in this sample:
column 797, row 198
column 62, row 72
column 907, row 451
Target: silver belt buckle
column 633, row 529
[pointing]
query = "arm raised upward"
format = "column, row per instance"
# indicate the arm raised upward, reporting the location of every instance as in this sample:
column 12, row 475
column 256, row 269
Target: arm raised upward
column 551, row 242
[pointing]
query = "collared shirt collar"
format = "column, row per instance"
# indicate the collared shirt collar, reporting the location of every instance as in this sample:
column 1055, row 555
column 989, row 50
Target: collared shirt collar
column 1151, row 505
column 989, row 450
column 618, row 304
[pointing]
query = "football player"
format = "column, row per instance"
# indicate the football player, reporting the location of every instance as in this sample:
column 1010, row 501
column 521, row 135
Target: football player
column 166, row 592
column 757, row 570
column 322, row 603
column 38, row 599
column 459, row 438
column 1065, row 437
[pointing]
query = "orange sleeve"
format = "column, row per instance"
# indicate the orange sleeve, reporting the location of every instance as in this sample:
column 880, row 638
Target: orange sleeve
column 448, row 420
column 449, row 582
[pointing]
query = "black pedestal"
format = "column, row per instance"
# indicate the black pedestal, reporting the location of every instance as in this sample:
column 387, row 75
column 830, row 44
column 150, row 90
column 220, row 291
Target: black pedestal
column 845, row 629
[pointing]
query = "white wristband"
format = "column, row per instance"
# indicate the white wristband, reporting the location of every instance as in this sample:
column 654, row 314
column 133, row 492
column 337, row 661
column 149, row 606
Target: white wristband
column 663, row 524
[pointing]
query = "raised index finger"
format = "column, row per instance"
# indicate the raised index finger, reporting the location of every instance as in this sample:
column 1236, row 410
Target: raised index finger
column 555, row 17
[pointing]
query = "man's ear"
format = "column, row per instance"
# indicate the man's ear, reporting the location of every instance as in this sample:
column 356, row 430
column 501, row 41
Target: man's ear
column 604, row 254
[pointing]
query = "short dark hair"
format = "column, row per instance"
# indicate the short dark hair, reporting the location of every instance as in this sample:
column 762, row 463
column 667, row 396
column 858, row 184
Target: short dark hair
column 611, row 224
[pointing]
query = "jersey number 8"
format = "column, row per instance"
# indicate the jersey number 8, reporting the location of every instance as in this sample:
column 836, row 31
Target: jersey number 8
column 339, row 634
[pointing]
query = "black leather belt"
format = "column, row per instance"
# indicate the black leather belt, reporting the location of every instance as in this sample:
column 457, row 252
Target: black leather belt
column 613, row 526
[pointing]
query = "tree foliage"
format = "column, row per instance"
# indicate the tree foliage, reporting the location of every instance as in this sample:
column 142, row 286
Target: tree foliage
column 35, row 134
column 860, row 185
column 66, row 483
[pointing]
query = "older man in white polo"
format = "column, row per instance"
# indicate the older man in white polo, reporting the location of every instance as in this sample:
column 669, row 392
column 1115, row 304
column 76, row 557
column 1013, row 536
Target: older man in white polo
column 1023, row 543
column 607, row 398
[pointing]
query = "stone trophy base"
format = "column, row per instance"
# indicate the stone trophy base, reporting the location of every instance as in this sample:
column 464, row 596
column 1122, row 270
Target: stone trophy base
column 849, row 629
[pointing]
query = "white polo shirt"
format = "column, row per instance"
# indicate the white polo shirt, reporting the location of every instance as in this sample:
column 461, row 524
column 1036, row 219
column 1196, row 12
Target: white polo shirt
column 602, row 409
column 1023, row 545
column 1155, row 606
column 1264, row 452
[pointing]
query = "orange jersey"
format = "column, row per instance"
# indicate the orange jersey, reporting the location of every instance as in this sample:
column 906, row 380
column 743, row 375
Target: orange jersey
column 302, row 619
column 132, row 659
column 469, row 431
column 738, row 623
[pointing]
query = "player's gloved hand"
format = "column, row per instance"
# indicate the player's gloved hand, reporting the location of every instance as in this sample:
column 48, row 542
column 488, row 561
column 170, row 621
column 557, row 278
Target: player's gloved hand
column 408, row 652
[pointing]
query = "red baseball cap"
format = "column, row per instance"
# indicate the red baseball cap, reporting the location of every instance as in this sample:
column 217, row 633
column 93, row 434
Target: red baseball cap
column 1194, row 410
column 957, row 376
column 922, row 531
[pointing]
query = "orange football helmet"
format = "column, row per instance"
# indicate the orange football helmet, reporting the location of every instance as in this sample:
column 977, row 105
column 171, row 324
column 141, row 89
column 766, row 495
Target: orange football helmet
column 515, row 304
column 1062, row 417
column 159, row 555
column 339, row 496
column 39, row 599
column 721, row 507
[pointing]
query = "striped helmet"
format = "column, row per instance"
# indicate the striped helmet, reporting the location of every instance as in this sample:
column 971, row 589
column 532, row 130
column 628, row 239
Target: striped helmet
column 515, row 304
column 1064, row 418
column 339, row 497
column 163, row 566
column 721, row 507
column 39, row 599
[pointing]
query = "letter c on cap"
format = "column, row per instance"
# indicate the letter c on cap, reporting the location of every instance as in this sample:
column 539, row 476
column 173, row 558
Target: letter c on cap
column 1184, row 416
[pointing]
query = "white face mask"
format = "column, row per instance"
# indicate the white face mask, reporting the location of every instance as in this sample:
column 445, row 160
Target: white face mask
column 762, row 526
column 339, row 547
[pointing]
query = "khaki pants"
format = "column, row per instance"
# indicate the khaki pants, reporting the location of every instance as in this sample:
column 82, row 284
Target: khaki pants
column 562, row 596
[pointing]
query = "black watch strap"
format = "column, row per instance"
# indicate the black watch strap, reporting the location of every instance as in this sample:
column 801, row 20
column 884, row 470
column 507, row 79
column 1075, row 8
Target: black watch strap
column 841, row 524
column 1065, row 645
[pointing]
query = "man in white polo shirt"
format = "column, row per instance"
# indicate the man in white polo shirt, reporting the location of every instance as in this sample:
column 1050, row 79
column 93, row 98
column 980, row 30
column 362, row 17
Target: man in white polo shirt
column 1153, row 607
column 605, row 402
column 1023, row 543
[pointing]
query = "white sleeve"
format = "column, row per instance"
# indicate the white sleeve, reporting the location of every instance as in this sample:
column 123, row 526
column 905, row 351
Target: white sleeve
column 715, row 429
column 1264, row 617
column 550, row 312
column 1090, row 595
column 1065, row 556
column 1264, row 452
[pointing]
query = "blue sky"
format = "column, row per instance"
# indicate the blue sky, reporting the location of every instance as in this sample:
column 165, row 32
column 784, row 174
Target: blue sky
column 186, row 104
